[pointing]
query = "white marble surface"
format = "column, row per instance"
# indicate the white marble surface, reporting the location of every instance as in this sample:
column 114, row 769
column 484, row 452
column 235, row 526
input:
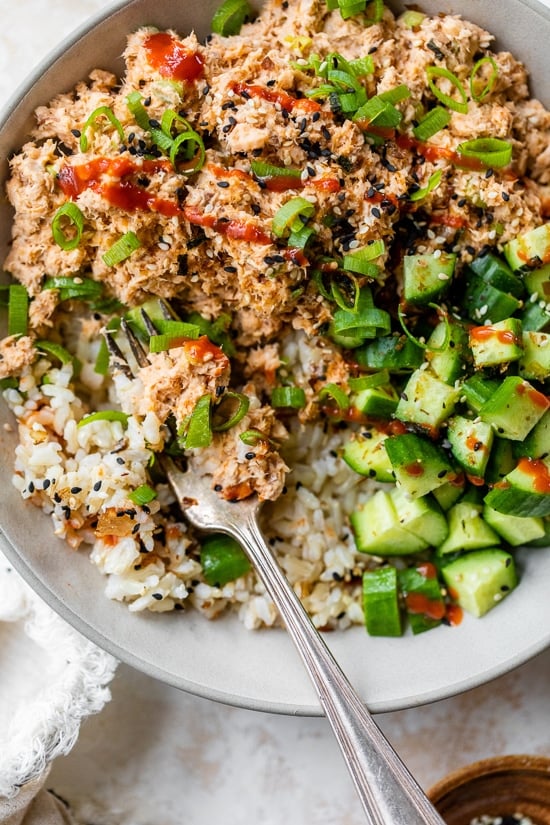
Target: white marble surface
column 156, row 755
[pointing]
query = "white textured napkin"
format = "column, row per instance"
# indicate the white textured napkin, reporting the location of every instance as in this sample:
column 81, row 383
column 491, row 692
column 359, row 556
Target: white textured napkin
column 51, row 679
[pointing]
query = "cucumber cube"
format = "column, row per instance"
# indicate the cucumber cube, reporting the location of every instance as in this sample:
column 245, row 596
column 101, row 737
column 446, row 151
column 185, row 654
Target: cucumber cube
column 427, row 277
column 365, row 453
column 501, row 461
column 381, row 602
column 380, row 402
column 498, row 343
column 396, row 353
column 537, row 443
column 480, row 580
column 487, row 303
column 448, row 494
column 525, row 491
column 535, row 316
column 478, row 389
column 422, row 596
column 378, row 531
column 471, row 443
column 514, row 408
column 516, row 530
column 467, row 530
column 449, row 363
column 530, row 250
column 426, row 400
column 535, row 360
column 537, row 283
column 419, row 465
column 421, row 516
column 496, row 272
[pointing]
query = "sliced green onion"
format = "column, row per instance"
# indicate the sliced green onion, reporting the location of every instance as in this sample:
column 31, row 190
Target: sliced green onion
column 412, row 19
column 260, row 169
column 368, row 382
column 433, row 182
column 217, row 330
column 457, row 105
column 230, row 16
column 417, row 341
column 68, row 215
column 102, row 360
column 396, row 95
column 243, row 403
column 379, row 112
column 199, row 429
column 336, row 393
column 169, row 119
column 491, row 152
column 104, row 415
column 299, row 235
column 361, row 66
column 174, row 336
column 489, row 83
column 183, row 144
column 252, row 437
column 289, row 212
column 338, row 296
column 377, row 12
column 80, row 288
column 436, row 119
column 175, row 329
column 121, row 249
column 101, row 111
column 9, row 383
column 142, row 494
column 360, row 260
column 138, row 110
column 293, row 397
column 18, row 310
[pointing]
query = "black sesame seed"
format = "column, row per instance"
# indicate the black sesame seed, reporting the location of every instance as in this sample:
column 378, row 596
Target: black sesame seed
column 120, row 460
column 147, row 101
column 315, row 117
column 30, row 487
column 218, row 488
column 155, row 124
column 157, row 596
column 75, row 490
column 489, row 173
column 231, row 269
column 376, row 212
column 206, row 89
column 46, row 483
column 250, row 456
column 255, row 208
column 271, row 83
column 505, row 196
column 76, row 132
column 223, row 184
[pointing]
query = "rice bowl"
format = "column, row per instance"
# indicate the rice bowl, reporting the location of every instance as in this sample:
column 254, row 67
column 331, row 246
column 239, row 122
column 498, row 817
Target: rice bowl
column 329, row 610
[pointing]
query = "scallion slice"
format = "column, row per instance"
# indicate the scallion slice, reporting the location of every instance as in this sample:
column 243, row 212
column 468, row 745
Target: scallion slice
column 263, row 170
column 435, row 120
column 368, row 382
column 252, row 437
column 433, row 182
column 490, row 152
column 412, row 19
column 230, row 16
column 377, row 12
column 18, row 310
column 289, row 212
column 101, row 111
column 199, row 430
column 171, row 120
column 293, row 397
column 74, row 287
column 221, row 424
column 337, row 394
column 121, row 249
column 142, row 495
column 191, row 146
column 475, row 80
column 361, row 260
column 104, row 415
column 68, row 217
column 461, row 105
column 138, row 110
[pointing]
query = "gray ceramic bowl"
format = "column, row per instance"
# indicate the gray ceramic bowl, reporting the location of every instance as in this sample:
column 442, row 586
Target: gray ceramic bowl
column 221, row 660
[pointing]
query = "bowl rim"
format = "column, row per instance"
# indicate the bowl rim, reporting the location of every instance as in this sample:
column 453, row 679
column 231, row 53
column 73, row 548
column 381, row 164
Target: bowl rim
column 489, row 766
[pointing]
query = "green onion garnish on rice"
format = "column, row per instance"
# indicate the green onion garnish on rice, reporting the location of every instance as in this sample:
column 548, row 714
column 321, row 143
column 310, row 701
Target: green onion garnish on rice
column 101, row 111
column 142, row 494
column 54, row 350
column 18, row 310
column 104, row 415
column 490, row 152
column 432, row 123
column 292, row 397
column 230, row 16
column 461, row 105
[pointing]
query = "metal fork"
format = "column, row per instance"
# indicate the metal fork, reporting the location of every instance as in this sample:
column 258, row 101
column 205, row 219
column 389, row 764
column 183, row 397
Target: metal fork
column 388, row 792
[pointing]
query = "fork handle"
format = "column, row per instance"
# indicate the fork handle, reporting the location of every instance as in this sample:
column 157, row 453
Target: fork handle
column 388, row 792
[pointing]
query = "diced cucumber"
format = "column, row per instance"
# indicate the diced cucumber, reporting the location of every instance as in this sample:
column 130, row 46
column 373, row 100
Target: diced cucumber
column 497, row 343
column 501, row 461
column 537, row 443
column 421, row 516
column 381, row 602
column 422, row 596
column 544, row 541
column 535, row 360
column 496, row 272
column 480, row 580
column 525, row 491
column 396, row 353
column 378, row 531
column 514, row 408
column 448, row 494
column 478, row 389
column 419, row 465
column 426, row 400
column 471, row 443
column 450, row 363
column 365, row 453
column 467, row 530
column 485, row 302
column 380, row 402
column 535, row 316
column 530, row 250
column 427, row 277
column 537, row 282
column 514, row 529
